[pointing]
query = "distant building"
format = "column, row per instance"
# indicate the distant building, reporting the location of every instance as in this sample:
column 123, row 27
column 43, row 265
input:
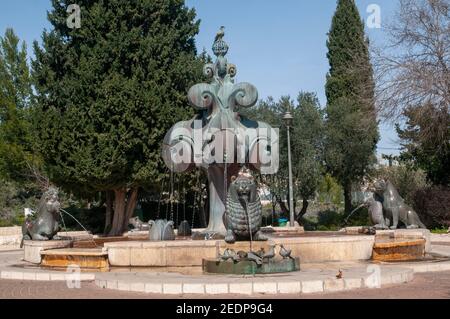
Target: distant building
column 384, row 160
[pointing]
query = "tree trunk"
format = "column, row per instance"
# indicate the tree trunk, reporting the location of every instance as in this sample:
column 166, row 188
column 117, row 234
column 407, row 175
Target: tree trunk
column 283, row 206
column 131, row 206
column 303, row 211
column 119, row 212
column 109, row 210
column 348, row 197
column 203, row 210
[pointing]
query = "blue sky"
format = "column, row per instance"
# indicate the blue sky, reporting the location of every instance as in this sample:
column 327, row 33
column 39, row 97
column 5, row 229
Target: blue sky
column 279, row 46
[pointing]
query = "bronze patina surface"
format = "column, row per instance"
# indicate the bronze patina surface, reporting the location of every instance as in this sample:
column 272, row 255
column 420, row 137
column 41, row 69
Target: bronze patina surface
column 213, row 266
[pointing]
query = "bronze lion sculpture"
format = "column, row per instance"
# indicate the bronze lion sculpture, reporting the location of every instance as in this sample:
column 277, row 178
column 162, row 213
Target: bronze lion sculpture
column 243, row 215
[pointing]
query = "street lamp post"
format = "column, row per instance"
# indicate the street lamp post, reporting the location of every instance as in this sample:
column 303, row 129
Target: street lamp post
column 288, row 119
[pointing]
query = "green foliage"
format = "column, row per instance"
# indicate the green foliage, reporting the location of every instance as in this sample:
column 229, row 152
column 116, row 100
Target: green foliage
column 331, row 220
column 109, row 91
column 15, row 99
column 330, row 191
column 14, row 197
column 93, row 219
column 426, row 142
column 439, row 231
column 407, row 180
column 306, row 142
column 351, row 124
column 432, row 204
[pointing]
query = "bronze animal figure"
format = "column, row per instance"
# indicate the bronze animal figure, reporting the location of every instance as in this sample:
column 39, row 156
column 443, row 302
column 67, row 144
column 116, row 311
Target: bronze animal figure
column 394, row 207
column 244, row 210
column 44, row 225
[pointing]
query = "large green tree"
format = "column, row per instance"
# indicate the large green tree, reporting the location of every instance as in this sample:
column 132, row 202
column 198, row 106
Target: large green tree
column 351, row 123
column 307, row 143
column 431, row 151
column 109, row 91
column 15, row 98
column 306, row 147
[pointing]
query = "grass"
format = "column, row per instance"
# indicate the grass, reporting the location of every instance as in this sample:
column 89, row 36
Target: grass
column 439, row 231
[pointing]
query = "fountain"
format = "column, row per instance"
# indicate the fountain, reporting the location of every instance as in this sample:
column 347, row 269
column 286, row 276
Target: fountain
column 222, row 143
column 229, row 148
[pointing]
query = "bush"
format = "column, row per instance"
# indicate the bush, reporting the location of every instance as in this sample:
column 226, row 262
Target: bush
column 14, row 197
column 331, row 220
column 407, row 181
column 432, row 204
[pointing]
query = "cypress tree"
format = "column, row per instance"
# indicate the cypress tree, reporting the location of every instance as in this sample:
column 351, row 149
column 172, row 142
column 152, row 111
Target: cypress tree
column 307, row 138
column 351, row 123
column 15, row 99
column 109, row 91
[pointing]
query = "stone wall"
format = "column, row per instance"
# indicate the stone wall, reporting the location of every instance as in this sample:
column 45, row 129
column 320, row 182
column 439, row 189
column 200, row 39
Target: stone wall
column 10, row 237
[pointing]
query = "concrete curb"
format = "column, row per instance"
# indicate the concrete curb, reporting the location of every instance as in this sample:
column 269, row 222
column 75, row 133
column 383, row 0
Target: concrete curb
column 429, row 267
column 45, row 276
column 252, row 286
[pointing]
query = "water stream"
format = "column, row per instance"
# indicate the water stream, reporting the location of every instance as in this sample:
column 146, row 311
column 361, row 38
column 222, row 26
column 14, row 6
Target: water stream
column 353, row 211
column 62, row 210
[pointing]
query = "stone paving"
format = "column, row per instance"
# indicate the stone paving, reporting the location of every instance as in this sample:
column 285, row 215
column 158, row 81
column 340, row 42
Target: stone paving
column 424, row 286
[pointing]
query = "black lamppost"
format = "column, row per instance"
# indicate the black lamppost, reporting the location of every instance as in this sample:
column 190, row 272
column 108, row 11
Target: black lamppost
column 288, row 119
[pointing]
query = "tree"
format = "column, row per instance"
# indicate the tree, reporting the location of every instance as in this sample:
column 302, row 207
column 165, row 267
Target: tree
column 413, row 84
column 306, row 147
column 413, row 69
column 307, row 141
column 351, row 124
column 109, row 91
column 15, row 99
column 431, row 151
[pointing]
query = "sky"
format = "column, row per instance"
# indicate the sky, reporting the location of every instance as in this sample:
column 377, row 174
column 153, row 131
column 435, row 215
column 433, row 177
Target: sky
column 277, row 45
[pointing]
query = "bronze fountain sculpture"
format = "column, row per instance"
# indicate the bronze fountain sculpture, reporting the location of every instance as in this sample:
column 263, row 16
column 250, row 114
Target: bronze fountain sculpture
column 244, row 210
column 228, row 147
column 218, row 139
column 44, row 225
column 387, row 208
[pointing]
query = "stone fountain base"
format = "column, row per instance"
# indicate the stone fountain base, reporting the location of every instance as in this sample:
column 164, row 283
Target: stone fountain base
column 399, row 250
column 309, row 247
column 91, row 259
column 401, row 245
column 32, row 248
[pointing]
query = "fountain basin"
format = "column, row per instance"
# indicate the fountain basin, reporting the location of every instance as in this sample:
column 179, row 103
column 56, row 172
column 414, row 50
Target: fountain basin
column 32, row 248
column 85, row 259
column 398, row 250
column 214, row 266
column 185, row 253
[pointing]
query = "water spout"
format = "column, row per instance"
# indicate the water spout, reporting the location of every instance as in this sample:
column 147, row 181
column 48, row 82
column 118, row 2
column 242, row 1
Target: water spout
column 62, row 210
column 353, row 211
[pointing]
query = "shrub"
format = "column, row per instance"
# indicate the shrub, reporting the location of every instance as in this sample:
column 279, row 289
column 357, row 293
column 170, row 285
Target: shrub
column 407, row 181
column 14, row 197
column 432, row 204
column 331, row 220
column 93, row 219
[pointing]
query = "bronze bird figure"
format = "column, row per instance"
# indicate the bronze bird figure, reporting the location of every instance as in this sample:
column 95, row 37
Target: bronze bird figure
column 220, row 34
column 285, row 253
column 254, row 257
column 242, row 254
column 229, row 254
column 261, row 252
column 339, row 275
column 270, row 254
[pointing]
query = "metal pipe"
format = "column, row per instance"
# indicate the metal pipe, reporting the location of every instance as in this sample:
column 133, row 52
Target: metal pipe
column 291, row 187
